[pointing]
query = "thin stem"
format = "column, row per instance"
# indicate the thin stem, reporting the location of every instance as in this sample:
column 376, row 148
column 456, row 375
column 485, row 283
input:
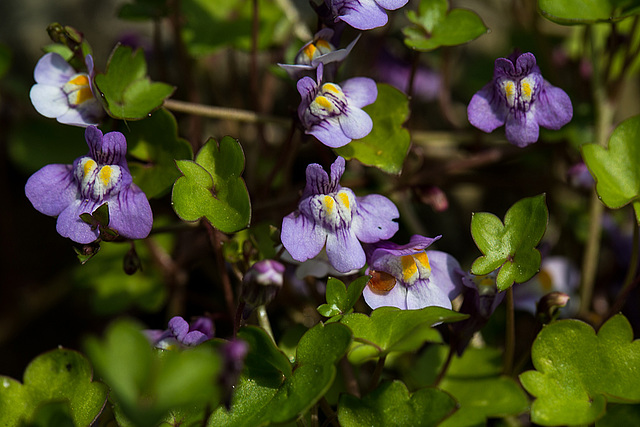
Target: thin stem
column 314, row 416
column 238, row 318
column 291, row 13
column 329, row 412
column 350, row 381
column 510, row 343
column 224, row 113
column 377, row 373
column 445, row 366
column 412, row 76
column 263, row 320
column 222, row 268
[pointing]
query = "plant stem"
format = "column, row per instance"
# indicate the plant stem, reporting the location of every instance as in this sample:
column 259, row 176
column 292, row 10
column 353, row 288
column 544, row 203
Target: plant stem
column 510, row 342
column 222, row 268
column 445, row 366
column 263, row 320
column 377, row 373
column 224, row 113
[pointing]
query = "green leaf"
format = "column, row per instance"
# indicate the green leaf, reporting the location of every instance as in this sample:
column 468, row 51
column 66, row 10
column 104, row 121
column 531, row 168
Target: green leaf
column 60, row 375
column 148, row 384
column 510, row 246
column 210, row 26
column 434, row 27
column 578, row 372
column 388, row 143
column 571, row 12
column 263, row 351
column 390, row 329
column 127, row 91
column 391, row 404
column 155, row 144
column 616, row 169
column 264, row 396
column 140, row 10
column 340, row 300
column 212, row 187
column 620, row 415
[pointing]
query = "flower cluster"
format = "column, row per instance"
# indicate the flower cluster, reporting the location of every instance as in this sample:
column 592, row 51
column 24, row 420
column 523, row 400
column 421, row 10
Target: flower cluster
column 181, row 334
column 102, row 176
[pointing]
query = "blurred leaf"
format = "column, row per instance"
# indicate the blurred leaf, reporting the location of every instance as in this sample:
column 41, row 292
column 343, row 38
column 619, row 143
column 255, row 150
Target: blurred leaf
column 390, row 329
column 5, row 59
column 210, row 26
column 388, row 143
column 127, row 91
column 60, row 376
column 341, row 300
column 264, row 395
column 434, row 27
column 616, row 169
column 212, row 187
column 52, row 414
column 620, row 415
column 140, row 10
column 578, row 372
column 571, row 12
column 512, row 246
column 148, row 384
column 391, row 404
column 154, row 142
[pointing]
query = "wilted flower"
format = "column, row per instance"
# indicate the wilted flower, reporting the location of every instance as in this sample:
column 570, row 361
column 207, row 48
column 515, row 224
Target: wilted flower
column 62, row 93
column 181, row 334
column 331, row 215
column 521, row 99
column 101, row 177
column 363, row 14
column 557, row 274
column 262, row 282
column 409, row 277
column 332, row 113
column 318, row 51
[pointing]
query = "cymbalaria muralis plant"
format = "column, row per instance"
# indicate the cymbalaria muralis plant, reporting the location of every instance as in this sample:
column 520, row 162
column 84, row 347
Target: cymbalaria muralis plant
column 306, row 214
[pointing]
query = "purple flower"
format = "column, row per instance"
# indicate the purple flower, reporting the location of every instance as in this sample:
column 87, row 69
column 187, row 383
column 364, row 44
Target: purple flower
column 408, row 277
column 332, row 216
column 318, row 51
column 363, row 14
column 181, row 334
column 64, row 94
column 332, row 113
column 102, row 176
column 519, row 98
column 397, row 73
column 262, row 282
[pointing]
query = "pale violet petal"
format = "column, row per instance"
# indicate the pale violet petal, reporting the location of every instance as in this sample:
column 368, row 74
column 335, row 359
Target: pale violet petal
column 50, row 101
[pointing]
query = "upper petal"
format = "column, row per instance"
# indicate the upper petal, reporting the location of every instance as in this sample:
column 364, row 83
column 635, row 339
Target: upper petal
column 52, row 189
column 302, row 237
column 553, row 107
column 487, row 111
column 360, row 91
column 53, row 70
column 522, row 129
column 374, row 219
column 344, row 250
column 130, row 213
column 363, row 14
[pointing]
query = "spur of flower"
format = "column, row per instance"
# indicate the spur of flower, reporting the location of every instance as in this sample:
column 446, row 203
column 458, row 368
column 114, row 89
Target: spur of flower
column 363, row 14
column 318, row 51
column 332, row 217
column 101, row 177
column 519, row 98
column 409, row 277
column 63, row 93
column 333, row 113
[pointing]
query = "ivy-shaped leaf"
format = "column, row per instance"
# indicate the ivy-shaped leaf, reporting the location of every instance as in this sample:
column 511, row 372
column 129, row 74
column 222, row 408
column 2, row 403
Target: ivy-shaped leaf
column 571, row 12
column 390, row 329
column 266, row 393
column 127, row 91
column 578, row 372
column 616, row 169
column 212, row 187
column 60, row 375
column 341, row 299
column 510, row 246
column 155, row 144
column 391, row 404
column 388, row 143
column 434, row 27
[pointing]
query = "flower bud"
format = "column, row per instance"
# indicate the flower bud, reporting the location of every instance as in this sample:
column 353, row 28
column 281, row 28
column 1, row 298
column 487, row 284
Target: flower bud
column 548, row 306
column 262, row 282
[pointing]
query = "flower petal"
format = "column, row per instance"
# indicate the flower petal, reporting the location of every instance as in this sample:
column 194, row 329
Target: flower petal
column 82, row 117
column 363, row 14
column 374, row 217
column 330, row 133
column 52, row 189
column 396, row 297
column 391, row 4
column 522, row 128
column 355, row 123
column 553, row 107
column 446, row 273
column 344, row 250
column 70, row 225
column 302, row 237
column 178, row 327
column 53, row 70
column 360, row 91
column 424, row 293
column 485, row 111
column 50, row 101
column 130, row 213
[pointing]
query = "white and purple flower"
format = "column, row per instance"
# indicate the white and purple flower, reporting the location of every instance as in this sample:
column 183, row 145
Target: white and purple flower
column 363, row 14
column 333, row 113
column 519, row 98
column 331, row 216
column 411, row 278
column 181, row 334
column 318, row 51
column 63, row 93
column 102, row 176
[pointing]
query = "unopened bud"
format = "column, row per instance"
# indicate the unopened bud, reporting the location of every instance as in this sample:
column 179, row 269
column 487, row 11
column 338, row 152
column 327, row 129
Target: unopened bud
column 548, row 306
column 262, row 282
column 434, row 197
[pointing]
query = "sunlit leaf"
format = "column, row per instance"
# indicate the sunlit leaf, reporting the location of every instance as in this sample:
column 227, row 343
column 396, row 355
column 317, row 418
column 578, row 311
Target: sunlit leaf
column 571, row 12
